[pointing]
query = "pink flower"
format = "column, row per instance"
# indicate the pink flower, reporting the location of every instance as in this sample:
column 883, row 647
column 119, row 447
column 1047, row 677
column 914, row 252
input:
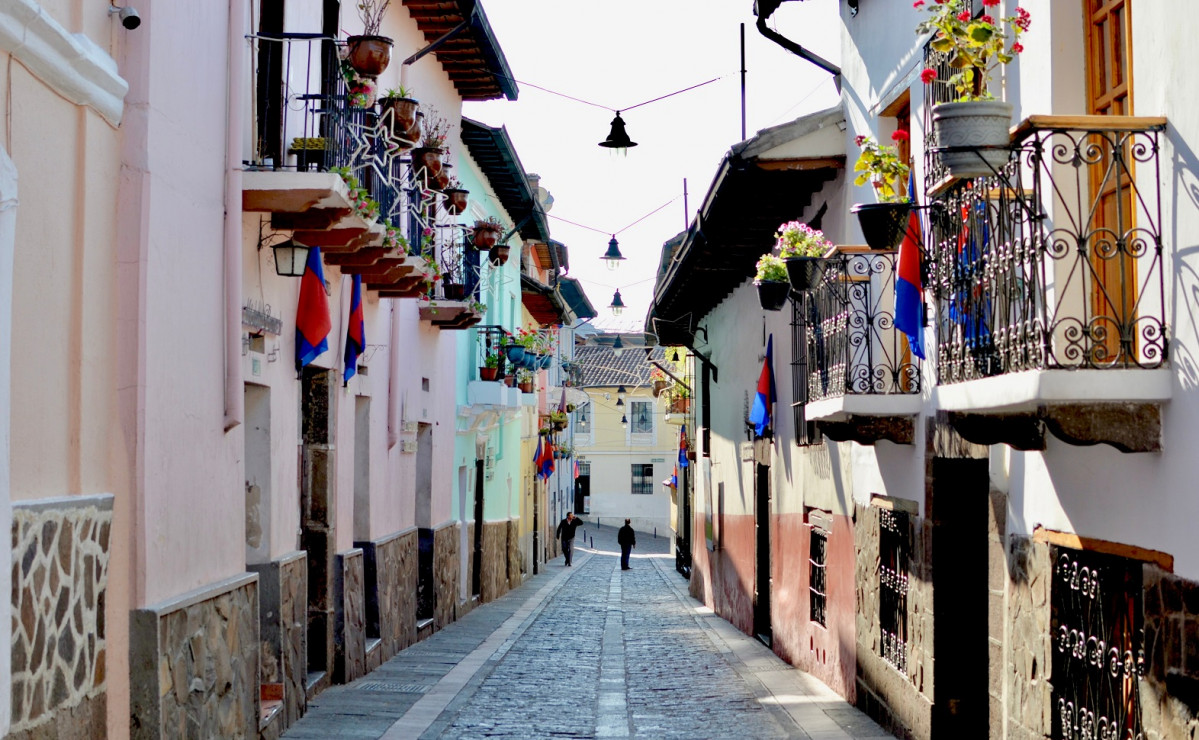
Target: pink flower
column 859, row 140
column 900, row 135
column 987, row 19
column 928, row 75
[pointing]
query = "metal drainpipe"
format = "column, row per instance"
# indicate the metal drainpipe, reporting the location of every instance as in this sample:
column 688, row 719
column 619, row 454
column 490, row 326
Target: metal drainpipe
column 769, row 6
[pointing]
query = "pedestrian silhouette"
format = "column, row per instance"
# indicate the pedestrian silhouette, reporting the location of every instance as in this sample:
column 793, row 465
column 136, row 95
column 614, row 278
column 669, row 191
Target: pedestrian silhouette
column 628, row 540
column 566, row 534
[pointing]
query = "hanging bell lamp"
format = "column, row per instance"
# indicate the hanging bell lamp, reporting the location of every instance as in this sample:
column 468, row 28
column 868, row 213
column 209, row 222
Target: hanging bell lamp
column 618, row 346
column 613, row 257
column 618, row 138
column 617, row 305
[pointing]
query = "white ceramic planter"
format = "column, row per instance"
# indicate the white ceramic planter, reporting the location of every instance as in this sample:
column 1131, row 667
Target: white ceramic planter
column 978, row 125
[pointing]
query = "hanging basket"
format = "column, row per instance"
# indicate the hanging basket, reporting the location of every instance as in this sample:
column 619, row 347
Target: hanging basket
column 883, row 224
column 804, row 272
column 979, row 129
column 499, row 255
column 485, row 238
column 515, row 353
column 369, row 55
column 456, row 200
column 427, row 161
column 402, row 118
column 772, row 294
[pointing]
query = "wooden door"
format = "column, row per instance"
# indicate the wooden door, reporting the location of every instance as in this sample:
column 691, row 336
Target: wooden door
column 1109, row 84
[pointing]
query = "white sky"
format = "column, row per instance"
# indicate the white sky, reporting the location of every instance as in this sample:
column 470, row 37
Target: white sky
column 619, row 53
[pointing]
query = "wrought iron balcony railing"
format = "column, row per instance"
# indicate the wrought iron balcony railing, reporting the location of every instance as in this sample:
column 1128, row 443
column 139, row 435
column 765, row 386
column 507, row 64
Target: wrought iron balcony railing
column 306, row 119
column 1055, row 261
column 853, row 345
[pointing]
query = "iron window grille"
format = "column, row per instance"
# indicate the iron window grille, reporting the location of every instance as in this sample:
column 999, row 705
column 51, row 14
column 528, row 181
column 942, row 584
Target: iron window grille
column 643, row 479
column 1098, row 661
column 817, row 567
column 805, row 431
column 894, row 544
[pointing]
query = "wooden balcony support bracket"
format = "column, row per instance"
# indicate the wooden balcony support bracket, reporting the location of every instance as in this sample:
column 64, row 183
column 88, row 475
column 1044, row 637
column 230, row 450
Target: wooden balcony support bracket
column 866, row 430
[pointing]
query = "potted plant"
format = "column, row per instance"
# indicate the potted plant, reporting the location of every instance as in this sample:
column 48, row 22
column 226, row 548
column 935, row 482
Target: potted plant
column 883, row 223
column 524, row 379
column 491, row 367
column 398, row 108
column 309, row 151
column 772, row 281
column 444, row 178
column 680, row 400
column 802, row 248
column 974, row 124
column 456, row 197
column 485, row 233
column 558, row 420
column 427, row 158
column 369, row 53
column 360, row 89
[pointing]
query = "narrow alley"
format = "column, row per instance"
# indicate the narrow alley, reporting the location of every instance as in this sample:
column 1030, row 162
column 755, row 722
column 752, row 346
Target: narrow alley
column 588, row 652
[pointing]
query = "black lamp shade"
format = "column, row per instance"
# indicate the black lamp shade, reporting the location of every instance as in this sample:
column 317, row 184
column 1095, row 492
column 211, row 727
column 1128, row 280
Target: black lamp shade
column 613, row 256
column 617, row 304
column 291, row 257
column 618, row 138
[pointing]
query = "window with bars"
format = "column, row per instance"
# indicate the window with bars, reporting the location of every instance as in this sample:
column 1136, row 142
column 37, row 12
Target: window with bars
column 819, row 529
column 583, row 419
column 643, row 479
column 805, row 431
column 893, row 548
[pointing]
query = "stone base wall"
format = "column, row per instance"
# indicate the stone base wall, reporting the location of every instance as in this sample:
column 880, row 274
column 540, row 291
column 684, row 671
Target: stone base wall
column 194, row 664
column 282, row 599
column 390, row 585
column 515, row 569
column 446, row 546
column 349, row 622
column 494, row 581
column 59, row 578
column 900, row 702
column 1027, row 655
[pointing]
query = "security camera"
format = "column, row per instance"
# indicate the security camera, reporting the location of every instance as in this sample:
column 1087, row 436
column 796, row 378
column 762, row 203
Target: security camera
column 128, row 15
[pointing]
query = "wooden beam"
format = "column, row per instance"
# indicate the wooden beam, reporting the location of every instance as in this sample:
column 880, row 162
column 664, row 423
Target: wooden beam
column 1163, row 560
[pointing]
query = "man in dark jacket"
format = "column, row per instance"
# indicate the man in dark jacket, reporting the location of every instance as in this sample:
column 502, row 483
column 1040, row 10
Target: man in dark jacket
column 628, row 540
column 566, row 534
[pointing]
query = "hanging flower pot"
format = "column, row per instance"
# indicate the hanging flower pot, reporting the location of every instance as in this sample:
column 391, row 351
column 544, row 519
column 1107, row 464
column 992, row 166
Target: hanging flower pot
column 499, row 255
column 442, row 179
column 456, row 200
column 515, row 353
column 546, row 361
column 883, row 224
column 402, row 116
column 772, row 294
column 412, row 135
column 427, row 162
column 804, row 272
column 978, row 129
column 485, row 237
column 369, row 55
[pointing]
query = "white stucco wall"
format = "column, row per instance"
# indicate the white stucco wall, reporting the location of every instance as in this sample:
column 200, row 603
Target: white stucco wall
column 8, row 218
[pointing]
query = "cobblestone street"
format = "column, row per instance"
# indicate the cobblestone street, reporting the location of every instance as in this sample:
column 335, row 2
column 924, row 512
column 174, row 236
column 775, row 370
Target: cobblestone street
column 588, row 651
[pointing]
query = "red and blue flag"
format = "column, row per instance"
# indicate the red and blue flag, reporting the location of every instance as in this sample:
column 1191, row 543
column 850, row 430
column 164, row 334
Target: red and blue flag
column 312, row 313
column 543, row 463
column 683, row 461
column 355, row 332
column 761, row 415
column 909, row 294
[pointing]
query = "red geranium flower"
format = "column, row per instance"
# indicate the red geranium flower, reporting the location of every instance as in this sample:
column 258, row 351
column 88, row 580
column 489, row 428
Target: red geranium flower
column 928, row 75
column 900, row 135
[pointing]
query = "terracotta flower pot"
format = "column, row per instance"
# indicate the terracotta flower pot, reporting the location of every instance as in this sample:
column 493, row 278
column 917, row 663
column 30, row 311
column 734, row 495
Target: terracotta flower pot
column 499, row 255
column 403, row 116
column 456, row 200
column 488, row 373
column 369, row 55
column 526, row 386
column 484, row 238
column 427, row 162
column 453, row 291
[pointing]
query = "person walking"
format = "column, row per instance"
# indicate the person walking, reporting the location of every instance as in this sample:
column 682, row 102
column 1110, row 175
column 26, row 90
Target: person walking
column 566, row 534
column 628, row 540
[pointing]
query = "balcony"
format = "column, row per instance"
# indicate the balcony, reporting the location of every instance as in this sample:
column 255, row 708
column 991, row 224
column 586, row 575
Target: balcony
column 454, row 299
column 318, row 155
column 1049, row 288
column 863, row 382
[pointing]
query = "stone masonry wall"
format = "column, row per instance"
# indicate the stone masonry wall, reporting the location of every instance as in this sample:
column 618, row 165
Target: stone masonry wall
column 900, row 702
column 349, row 635
column 1027, row 657
column 515, row 568
column 283, row 612
column 391, row 590
column 445, row 573
column 494, row 581
column 1170, row 690
column 59, row 577
column 194, row 664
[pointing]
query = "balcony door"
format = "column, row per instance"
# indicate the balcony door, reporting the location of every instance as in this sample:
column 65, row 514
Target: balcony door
column 1109, row 85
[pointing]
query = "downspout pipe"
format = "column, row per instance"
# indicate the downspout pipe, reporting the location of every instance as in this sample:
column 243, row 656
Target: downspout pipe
column 235, row 400
column 764, row 9
column 393, row 379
